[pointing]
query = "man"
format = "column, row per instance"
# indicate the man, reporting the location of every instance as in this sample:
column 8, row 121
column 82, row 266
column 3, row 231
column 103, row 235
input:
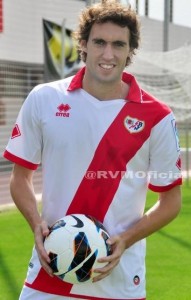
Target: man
column 98, row 136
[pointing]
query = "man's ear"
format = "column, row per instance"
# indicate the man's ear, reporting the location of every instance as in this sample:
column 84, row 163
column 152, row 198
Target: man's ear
column 83, row 45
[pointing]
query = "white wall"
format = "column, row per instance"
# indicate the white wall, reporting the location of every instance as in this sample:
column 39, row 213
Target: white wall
column 156, row 10
column 181, row 10
column 22, row 38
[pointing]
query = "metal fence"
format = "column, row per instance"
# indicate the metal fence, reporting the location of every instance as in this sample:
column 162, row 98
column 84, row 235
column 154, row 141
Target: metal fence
column 184, row 130
column 16, row 81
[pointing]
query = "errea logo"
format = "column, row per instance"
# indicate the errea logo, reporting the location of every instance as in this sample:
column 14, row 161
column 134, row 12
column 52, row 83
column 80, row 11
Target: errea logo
column 63, row 110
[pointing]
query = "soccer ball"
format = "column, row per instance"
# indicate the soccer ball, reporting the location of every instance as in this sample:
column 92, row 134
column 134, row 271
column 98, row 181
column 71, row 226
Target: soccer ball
column 74, row 244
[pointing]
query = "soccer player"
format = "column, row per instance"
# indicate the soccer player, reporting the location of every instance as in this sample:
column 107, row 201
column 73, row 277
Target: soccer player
column 102, row 142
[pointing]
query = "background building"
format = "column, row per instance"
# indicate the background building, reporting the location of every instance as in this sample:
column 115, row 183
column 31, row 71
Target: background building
column 166, row 75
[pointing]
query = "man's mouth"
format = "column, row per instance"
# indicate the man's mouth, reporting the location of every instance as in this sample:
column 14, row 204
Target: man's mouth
column 106, row 66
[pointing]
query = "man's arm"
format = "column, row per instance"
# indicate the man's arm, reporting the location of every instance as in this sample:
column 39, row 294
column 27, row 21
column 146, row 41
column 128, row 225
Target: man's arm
column 163, row 212
column 23, row 195
column 22, row 192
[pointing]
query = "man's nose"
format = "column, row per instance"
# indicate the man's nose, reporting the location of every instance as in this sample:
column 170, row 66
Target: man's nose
column 108, row 52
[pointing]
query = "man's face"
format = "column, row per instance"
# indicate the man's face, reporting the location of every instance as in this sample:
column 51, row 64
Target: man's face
column 107, row 50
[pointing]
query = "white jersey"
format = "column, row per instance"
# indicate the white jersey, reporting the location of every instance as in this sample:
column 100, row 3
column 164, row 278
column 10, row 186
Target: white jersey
column 98, row 158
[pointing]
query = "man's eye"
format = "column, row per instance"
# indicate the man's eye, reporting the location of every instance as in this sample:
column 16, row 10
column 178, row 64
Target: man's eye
column 119, row 44
column 99, row 42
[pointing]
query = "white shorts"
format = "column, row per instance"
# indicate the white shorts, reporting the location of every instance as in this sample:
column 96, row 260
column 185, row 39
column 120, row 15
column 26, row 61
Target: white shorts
column 31, row 294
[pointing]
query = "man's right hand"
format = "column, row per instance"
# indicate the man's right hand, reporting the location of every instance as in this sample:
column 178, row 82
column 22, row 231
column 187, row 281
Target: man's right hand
column 40, row 233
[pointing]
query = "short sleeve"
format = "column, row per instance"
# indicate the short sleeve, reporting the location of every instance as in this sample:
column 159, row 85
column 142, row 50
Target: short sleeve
column 165, row 160
column 25, row 144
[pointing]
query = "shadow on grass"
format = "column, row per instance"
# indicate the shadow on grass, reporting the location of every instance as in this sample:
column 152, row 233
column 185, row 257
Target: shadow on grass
column 179, row 241
column 8, row 280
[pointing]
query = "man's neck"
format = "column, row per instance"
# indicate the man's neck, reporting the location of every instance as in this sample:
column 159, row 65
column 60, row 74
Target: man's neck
column 103, row 91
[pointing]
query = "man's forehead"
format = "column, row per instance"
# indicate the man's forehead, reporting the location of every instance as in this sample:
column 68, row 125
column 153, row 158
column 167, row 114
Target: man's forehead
column 109, row 31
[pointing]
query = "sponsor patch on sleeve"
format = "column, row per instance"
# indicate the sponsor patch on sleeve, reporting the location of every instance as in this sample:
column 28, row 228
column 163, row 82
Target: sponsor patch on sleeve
column 173, row 122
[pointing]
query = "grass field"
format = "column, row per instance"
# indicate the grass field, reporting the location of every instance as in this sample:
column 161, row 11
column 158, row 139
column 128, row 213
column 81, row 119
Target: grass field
column 168, row 255
column 184, row 138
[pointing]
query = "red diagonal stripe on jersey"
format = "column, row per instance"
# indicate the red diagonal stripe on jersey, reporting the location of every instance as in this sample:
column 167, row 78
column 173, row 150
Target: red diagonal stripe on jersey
column 52, row 285
column 115, row 149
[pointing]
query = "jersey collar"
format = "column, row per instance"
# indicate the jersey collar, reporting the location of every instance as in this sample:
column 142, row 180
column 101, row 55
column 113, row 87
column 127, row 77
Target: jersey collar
column 134, row 94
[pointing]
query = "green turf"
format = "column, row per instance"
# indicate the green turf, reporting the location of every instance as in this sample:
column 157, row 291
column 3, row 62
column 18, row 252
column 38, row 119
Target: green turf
column 185, row 138
column 168, row 255
column 15, row 251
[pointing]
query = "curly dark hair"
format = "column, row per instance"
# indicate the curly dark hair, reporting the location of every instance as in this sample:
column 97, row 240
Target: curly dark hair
column 109, row 11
